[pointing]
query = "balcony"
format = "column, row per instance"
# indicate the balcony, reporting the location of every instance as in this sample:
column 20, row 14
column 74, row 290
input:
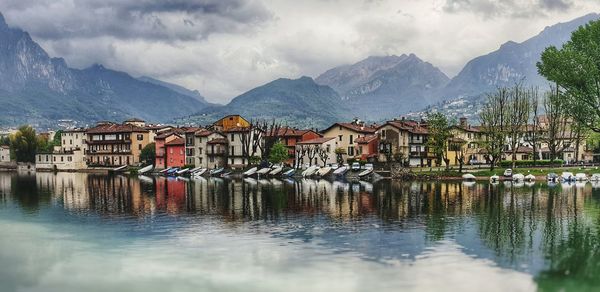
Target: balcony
column 101, row 142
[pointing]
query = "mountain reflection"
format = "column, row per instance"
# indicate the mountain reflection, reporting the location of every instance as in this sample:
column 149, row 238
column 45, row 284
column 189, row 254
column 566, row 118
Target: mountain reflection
column 548, row 231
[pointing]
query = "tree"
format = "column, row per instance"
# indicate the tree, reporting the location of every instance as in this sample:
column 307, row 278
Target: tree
column 24, row 144
column 311, row 153
column 575, row 68
column 339, row 155
column 457, row 145
column 439, row 133
column 279, row 153
column 493, row 118
column 557, row 123
column 148, row 154
column 517, row 118
column 57, row 138
column 43, row 145
column 323, row 154
column 534, row 132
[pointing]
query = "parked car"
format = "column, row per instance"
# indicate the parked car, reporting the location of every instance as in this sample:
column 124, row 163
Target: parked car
column 355, row 166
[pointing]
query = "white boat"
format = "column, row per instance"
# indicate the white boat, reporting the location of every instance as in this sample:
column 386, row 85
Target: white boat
column 468, row 176
column 289, row 172
column 183, row 171
column 276, row 170
column 194, row 170
column 324, row 171
column 340, row 171
column 120, row 168
column 216, row 171
column 145, row 169
column 199, row 172
column 567, row 176
column 519, row 177
column 250, row 171
column 164, row 170
column 508, row 172
column 263, row 170
column 494, row 178
column 595, row 177
column 310, row 169
column 552, row 177
column 365, row 172
column 530, row 177
column 581, row 177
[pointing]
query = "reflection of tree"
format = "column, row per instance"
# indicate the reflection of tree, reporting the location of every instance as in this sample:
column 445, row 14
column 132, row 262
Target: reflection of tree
column 25, row 191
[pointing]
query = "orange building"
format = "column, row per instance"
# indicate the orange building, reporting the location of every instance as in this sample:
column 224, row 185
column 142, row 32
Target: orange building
column 160, row 147
column 367, row 147
column 290, row 137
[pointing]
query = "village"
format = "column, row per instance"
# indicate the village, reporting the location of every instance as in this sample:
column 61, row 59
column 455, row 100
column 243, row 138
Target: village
column 236, row 144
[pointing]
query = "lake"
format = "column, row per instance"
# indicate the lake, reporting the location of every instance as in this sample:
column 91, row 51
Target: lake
column 86, row 232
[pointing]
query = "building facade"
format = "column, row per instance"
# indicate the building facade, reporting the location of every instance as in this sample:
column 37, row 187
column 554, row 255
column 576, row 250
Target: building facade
column 111, row 144
column 345, row 135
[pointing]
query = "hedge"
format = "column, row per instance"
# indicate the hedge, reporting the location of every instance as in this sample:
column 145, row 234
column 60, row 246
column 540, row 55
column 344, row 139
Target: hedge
column 529, row 163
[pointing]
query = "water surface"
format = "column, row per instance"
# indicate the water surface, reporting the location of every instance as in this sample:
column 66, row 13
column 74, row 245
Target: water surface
column 84, row 232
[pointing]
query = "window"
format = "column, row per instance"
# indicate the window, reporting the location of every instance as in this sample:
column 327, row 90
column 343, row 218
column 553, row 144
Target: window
column 70, row 142
column 62, row 159
column 382, row 133
column 351, row 139
column 199, row 150
column 232, row 137
column 340, row 137
column 139, row 146
column 232, row 150
column 140, row 137
column 211, row 159
column 171, row 150
column 350, row 151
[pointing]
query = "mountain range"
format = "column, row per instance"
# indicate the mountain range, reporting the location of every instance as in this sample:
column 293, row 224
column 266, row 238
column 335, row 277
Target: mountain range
column 39, row 90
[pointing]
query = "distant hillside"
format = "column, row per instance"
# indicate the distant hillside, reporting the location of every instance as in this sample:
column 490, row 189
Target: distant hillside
column 386, row 86
column 177, row 88
column 40, row 90
column 296, row 102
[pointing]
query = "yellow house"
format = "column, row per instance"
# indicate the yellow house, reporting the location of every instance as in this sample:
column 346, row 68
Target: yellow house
column 345, row 135
column 466, row 140
column 230, row 122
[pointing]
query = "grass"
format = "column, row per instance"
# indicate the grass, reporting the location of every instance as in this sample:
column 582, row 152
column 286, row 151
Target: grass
column 537, row 171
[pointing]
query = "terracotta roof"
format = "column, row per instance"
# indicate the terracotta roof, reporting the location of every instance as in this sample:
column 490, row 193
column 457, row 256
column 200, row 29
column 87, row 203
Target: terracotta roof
column 176, row 142
column 115, row 128
column 524, row 149
column 218, row 141
column 190, row 130
column 469, row 128
column 169, row 133
column 365, row 139
column 291, row 132
column 135, row 120
column 203, row 133
column 4, row 146
column 157, row 127
column 77, row 130
column 317, row 140
column 408, row 125
column 354, row 127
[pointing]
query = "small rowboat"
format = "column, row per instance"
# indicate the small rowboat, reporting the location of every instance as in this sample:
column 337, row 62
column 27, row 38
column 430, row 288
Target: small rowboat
column 530, row 177
column 365, row 172
column 263, row 170
column 324, row 171
column 145, row 169
column 183, row 171
column 250, row 171
column 340, row 171
column 276, row 171
column 216, row 171
column 468, row 176
column 289, row 172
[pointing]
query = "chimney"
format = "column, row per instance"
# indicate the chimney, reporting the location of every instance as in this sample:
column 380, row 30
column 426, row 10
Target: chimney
column 464, row 122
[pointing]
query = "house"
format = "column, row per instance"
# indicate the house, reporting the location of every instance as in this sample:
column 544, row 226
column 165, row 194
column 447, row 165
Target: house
column 208, row 152
column 4, row 154
column 111, row 144
column 160, row 142
column 523, row 153
column 155, row 130
column 190, row 141
column 346, row 133
column 318, row 151
column 239, row 141
column 135, row 122
column 466, row 141
column 367, row 147
column 73, row 139
column 291, row 136
column 405, row 139
column 69, row 156
column 229, row 122
column 175, row 153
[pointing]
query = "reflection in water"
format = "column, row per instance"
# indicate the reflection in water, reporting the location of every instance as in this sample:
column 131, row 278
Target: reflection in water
column 549, row 232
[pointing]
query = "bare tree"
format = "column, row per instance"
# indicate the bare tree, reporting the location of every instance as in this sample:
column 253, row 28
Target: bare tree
column 300, row 152
column 557, row 123
column 517, row 117
column 493, row 118
column 323, row 154
column 533, row 134
column 311, row 153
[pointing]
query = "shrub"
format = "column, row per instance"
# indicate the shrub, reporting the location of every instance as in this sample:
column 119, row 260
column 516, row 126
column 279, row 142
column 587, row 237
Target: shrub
column 530, row 163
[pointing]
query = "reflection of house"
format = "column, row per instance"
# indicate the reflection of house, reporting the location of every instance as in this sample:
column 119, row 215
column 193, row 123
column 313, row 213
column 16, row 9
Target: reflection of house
column 111, row 144
column 317, row 150
column 4, row 154
column 346, row 133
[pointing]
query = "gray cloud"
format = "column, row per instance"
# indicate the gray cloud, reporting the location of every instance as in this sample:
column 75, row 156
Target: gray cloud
column 134, row 19
column 512, row 8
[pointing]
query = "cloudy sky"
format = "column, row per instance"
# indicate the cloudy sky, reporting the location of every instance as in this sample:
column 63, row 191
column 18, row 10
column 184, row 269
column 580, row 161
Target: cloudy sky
column 225, row 47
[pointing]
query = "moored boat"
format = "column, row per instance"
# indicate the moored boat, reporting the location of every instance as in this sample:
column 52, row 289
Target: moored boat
column 340, row 171
column 519, row 177
column 263, row 171
column 276, row 170
column 182, row 171
column 494, row 178
column 552, row 177
column 289, row 172
column 365, row 172
column 310, row 171
column 595, row 177
column 468, row 176
column 250, row 171
column 145, row 169
column 567, row 176
column 581, row 177
column 216, row 171
column 530, row 177
column 324, row 171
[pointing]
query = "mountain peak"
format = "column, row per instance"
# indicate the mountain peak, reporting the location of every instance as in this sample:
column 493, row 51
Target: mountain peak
column 2, row 20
